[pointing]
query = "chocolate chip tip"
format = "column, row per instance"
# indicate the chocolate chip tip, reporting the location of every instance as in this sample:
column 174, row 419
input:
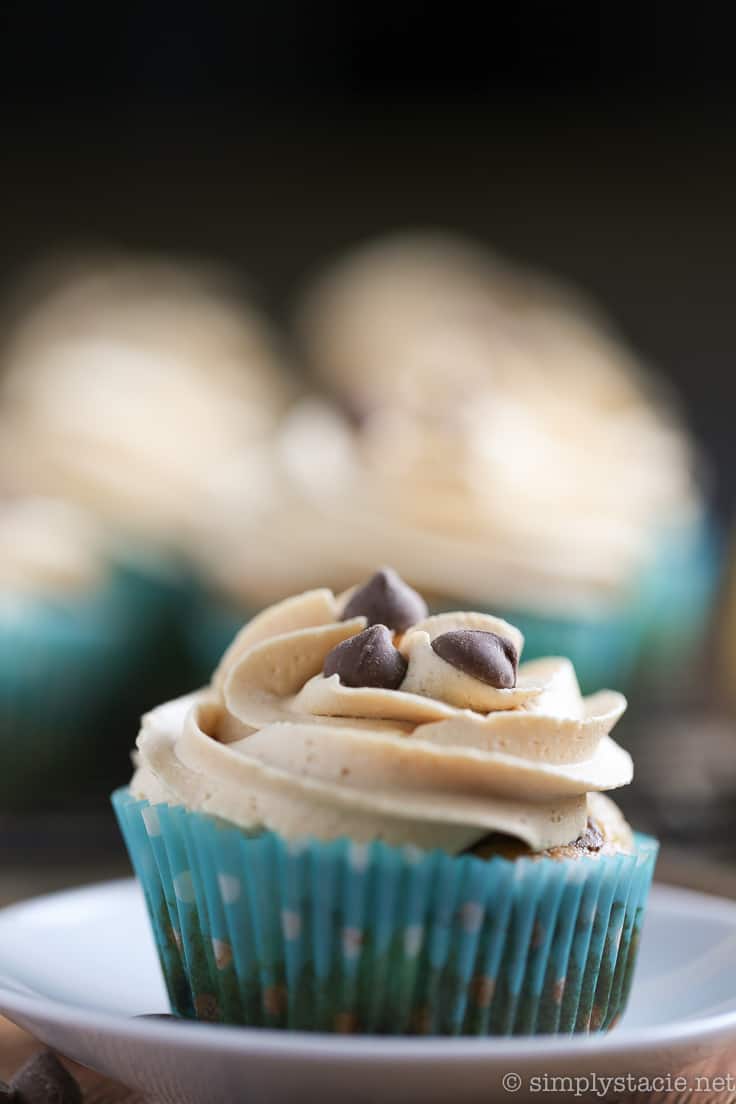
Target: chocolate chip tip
column 385, row 599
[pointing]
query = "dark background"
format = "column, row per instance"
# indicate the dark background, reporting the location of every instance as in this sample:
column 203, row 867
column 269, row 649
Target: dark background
column 596, row 140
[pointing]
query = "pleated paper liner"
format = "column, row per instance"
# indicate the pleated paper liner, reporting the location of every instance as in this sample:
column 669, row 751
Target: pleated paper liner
column 369, row 938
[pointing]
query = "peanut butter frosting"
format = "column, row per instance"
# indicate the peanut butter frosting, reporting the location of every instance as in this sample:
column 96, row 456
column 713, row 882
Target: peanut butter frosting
column 331, row 715
column 137, row 388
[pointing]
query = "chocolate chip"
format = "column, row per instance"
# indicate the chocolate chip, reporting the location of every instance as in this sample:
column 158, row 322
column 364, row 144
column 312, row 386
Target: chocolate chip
column 43, row 1080
column 483, row 655
column 367, row 659
column 387, row 600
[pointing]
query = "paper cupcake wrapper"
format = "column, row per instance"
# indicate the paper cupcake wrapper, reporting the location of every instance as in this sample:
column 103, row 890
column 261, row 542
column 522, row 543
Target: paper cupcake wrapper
column 369, row 938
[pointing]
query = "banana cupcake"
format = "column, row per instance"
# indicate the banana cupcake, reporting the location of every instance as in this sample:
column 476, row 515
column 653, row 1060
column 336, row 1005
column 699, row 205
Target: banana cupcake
column 375, row 820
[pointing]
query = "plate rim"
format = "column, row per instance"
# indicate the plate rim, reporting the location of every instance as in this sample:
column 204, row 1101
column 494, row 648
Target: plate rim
column 303, row 1045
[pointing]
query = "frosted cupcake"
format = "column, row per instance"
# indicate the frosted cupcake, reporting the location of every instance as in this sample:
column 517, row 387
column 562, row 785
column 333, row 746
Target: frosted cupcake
column 137, row 388
column 374, row 820
column 509, row 452
column 66, row 650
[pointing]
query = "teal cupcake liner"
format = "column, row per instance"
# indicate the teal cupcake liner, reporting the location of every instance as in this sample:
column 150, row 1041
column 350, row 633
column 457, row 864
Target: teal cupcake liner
column 255, row 930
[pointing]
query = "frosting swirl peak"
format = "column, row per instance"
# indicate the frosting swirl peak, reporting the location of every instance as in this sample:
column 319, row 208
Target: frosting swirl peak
column 407, row 743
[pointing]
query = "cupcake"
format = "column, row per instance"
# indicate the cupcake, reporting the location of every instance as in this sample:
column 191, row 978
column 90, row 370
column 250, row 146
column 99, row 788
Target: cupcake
column 505, row 450
column 136, row 387
column 374, row 820
column 66, row 652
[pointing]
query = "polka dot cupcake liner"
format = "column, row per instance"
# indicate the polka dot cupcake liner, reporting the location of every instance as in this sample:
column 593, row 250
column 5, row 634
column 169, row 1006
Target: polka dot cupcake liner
column 369, row 938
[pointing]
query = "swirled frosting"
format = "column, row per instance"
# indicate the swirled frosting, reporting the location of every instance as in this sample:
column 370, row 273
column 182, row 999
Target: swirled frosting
column 443, row 760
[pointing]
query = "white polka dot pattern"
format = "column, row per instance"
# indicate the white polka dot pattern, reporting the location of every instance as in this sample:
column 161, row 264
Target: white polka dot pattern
column 223, row 953
column 229, row 888
column 184, row 887
column 352, row 941
column 413, row 939
column 291, row 924
column 359, row 855
column 151, row 821
column 471, row 917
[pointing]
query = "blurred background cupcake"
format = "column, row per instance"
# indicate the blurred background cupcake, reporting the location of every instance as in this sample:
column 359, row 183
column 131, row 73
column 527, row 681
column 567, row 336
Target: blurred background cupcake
column 67, row 653
column 485, row 431
column 129, row 388
column 132, row 388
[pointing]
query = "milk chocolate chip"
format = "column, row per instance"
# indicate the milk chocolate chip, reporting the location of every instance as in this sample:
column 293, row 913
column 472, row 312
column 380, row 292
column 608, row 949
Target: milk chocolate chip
column 483, row 655
column 368, row 659
column 43, row 1080
column 387, row 600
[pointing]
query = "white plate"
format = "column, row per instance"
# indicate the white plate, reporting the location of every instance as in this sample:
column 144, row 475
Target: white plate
column 76, row 966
